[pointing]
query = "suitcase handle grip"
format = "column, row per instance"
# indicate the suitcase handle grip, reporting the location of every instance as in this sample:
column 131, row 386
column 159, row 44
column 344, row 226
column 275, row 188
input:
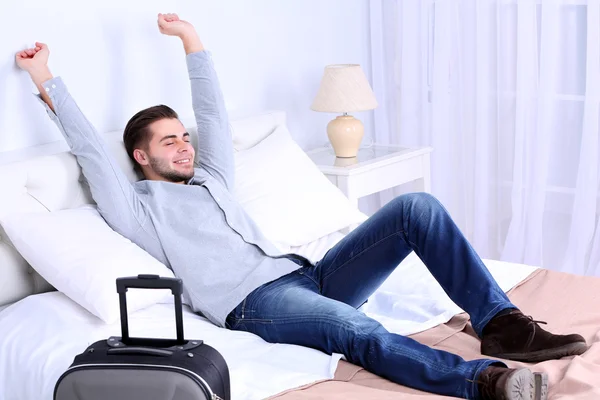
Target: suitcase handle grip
column 146, row 281
column 146, row 351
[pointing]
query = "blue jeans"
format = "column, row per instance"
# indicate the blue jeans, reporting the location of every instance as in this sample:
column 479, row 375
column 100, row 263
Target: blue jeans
column 316, row 306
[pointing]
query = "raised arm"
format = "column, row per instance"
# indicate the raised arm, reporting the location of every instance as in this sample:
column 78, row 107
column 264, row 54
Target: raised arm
column 215, row 146
column 114, row 195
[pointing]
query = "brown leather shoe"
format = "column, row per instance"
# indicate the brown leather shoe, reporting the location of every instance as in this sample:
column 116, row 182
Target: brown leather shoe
column 499, row 383
column 518, row 337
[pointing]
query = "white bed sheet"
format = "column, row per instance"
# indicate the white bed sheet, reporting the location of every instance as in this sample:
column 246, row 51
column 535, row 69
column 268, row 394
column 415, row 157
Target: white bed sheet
column 411, row 300
column 41, row 334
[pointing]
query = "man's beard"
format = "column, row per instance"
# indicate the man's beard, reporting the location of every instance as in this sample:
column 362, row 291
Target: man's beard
column 164, row 170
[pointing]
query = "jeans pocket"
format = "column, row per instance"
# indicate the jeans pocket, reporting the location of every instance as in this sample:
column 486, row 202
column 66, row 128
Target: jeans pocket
column 235, row 315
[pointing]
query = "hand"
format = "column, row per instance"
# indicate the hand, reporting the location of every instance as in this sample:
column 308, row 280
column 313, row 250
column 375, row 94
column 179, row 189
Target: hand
column 33, row 59
column 171, row 25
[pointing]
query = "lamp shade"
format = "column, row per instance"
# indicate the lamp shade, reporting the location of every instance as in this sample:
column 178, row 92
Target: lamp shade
column 344, row 88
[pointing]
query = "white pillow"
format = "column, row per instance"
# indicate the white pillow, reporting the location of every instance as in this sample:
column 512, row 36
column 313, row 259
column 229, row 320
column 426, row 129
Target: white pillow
column 247, row 132
column 291, row 201
column 80, row 255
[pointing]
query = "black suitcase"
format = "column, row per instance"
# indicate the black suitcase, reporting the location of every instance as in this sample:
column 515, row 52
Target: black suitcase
column 142, row 368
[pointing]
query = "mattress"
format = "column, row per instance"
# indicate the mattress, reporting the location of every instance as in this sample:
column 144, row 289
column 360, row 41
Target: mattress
column 41, row 334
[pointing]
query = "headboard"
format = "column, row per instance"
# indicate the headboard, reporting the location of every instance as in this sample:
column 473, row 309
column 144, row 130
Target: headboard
column 47, row 178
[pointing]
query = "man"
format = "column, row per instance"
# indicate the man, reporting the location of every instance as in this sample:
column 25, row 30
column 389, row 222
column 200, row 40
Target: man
column 187, row 218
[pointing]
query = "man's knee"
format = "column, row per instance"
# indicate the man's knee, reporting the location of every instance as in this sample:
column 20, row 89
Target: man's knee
column 419, row 202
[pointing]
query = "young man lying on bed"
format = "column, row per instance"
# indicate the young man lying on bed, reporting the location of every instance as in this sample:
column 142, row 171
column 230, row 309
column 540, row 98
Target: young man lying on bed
column 186, row 217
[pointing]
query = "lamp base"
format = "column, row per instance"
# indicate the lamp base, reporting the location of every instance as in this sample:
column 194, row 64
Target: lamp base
column 345, row 134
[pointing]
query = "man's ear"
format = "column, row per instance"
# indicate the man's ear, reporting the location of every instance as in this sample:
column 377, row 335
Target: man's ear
column 141, row 157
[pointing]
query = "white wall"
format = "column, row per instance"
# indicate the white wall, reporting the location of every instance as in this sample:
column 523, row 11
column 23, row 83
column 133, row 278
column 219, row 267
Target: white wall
column 269, row 54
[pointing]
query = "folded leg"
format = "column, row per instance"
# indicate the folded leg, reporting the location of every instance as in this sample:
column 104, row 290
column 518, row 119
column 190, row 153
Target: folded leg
column 356, row 266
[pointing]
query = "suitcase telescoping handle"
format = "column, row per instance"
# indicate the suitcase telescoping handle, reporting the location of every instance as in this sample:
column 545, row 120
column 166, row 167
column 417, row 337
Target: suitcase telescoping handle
column 150, row 282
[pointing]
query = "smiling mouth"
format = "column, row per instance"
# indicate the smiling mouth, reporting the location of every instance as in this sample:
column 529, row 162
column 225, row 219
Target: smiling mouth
column 185, row 161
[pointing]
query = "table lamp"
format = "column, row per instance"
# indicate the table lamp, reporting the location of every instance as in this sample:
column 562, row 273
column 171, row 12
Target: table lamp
column 344, row 89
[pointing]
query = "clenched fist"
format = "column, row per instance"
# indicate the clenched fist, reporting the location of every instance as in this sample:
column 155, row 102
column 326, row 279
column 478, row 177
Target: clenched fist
column 35, row 58
column 171, row 25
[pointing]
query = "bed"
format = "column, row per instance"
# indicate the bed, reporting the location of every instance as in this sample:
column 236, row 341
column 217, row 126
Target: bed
column 42, row 329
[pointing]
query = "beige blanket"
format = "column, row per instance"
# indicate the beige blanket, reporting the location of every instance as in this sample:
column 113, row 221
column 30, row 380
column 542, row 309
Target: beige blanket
column 569, row 303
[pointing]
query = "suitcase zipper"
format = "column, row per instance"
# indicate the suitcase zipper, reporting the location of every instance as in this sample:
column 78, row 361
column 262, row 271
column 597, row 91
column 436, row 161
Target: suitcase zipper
column 213, row 395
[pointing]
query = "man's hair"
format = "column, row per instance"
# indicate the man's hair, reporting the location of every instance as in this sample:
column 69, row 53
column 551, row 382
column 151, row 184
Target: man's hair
column 137, row 132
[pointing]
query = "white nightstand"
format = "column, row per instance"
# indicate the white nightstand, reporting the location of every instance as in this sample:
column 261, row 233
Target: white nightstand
column 374, row 169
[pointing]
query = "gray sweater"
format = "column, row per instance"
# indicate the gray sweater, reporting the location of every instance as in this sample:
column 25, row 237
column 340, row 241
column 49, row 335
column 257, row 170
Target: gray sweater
column 198, row 230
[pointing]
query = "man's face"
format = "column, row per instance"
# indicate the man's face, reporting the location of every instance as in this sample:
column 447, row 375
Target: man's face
column 169, row 155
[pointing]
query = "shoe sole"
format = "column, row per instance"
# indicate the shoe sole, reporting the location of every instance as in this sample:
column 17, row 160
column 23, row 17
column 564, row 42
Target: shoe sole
column 526, row 385
column 571, row 349
column 541, row 386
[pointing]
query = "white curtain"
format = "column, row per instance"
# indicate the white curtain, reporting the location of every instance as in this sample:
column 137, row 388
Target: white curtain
column 507, row 94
